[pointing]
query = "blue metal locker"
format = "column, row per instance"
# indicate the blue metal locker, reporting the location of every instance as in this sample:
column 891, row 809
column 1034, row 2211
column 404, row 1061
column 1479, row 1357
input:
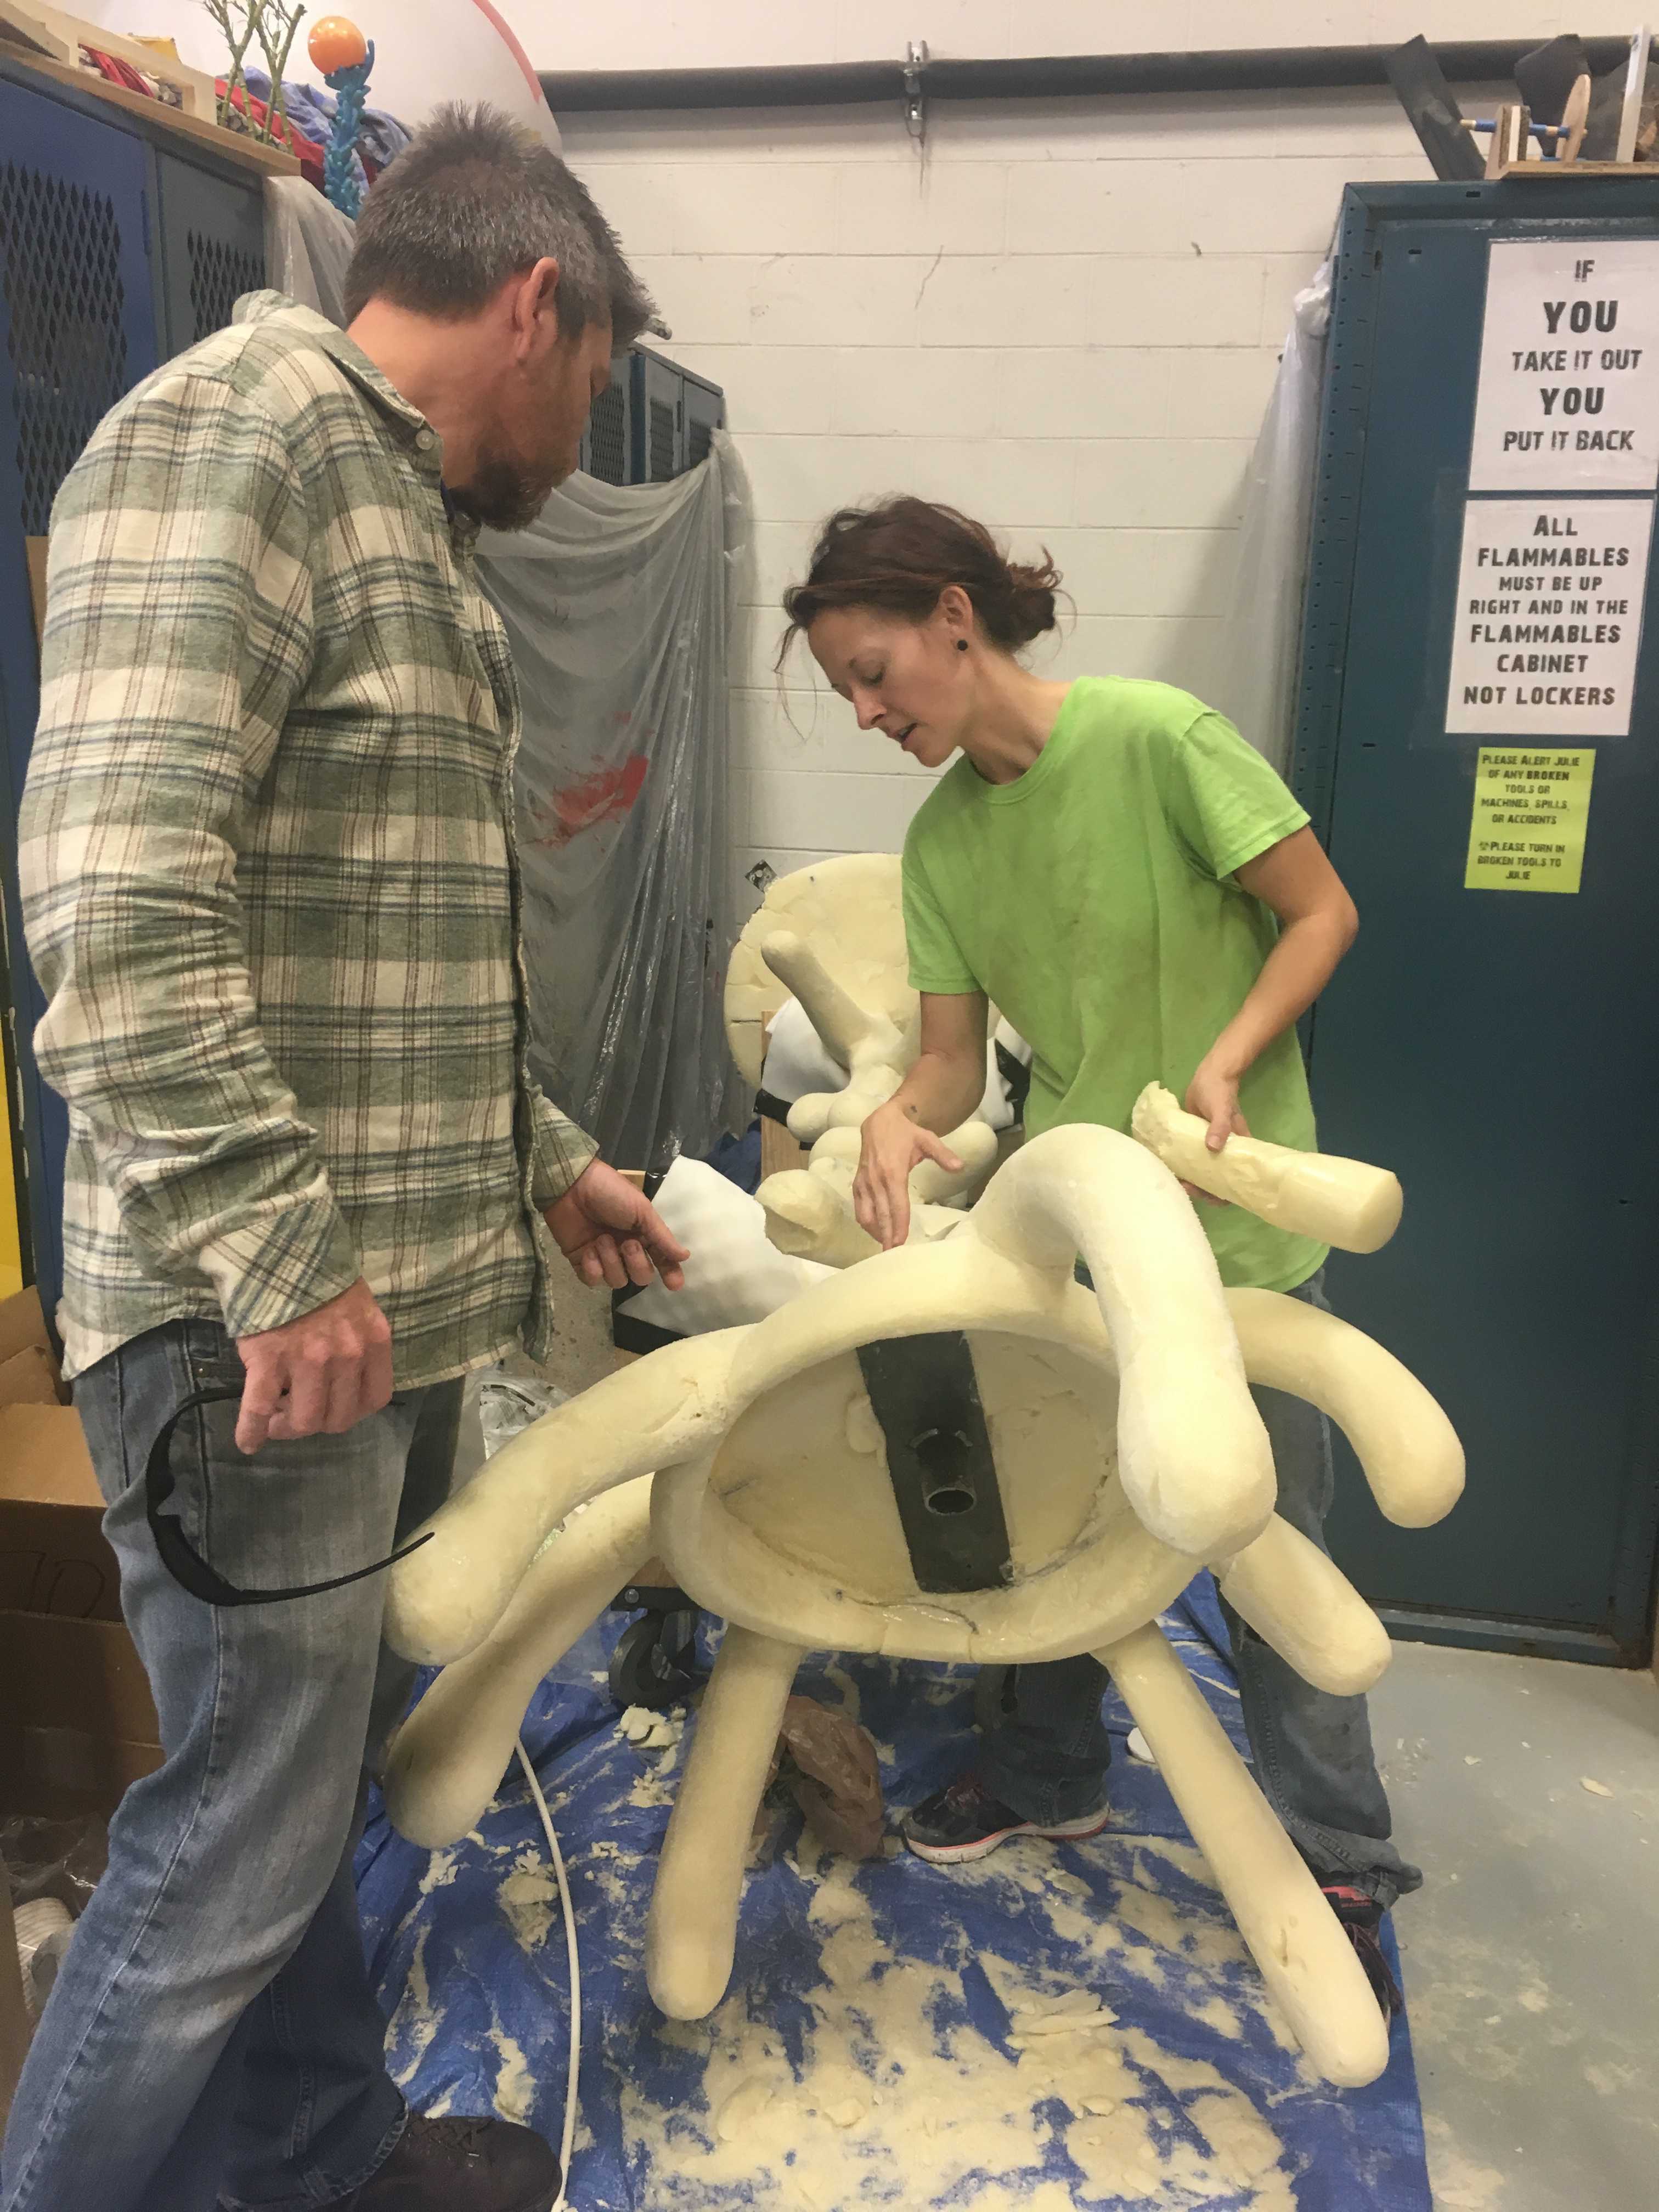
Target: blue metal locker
column 212, row 234
column 657, row 418
column 1501, row 1051
column 704, row 405
column 77, row 330
column 607, row 442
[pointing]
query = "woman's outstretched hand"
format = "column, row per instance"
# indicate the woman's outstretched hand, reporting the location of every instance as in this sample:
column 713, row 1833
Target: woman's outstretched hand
column 891, row 1146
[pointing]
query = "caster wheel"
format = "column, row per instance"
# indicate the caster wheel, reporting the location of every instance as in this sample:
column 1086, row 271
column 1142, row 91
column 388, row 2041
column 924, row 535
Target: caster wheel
column 654, row 1664
column 993, row 1697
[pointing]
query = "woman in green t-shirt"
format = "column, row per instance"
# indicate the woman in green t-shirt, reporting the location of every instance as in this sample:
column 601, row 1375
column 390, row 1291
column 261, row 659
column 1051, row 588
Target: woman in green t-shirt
column 1110, row 864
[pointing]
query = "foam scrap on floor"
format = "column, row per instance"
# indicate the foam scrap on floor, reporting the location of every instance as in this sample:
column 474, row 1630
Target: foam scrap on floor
column 896, row 2097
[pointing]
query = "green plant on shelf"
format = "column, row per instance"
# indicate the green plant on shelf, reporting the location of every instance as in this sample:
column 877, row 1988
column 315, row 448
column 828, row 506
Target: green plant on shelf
column 272, row 25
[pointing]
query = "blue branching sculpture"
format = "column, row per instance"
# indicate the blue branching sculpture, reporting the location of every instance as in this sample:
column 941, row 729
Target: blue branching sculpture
column 341, row 180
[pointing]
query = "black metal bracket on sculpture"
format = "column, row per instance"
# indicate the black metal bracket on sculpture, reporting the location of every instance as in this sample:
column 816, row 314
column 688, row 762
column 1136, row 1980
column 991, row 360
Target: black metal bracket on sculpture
column 925, row 1396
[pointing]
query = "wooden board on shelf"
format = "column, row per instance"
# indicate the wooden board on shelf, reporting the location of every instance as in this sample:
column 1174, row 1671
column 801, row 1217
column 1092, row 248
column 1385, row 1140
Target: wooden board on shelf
column 229, row 145
column 1563, row 171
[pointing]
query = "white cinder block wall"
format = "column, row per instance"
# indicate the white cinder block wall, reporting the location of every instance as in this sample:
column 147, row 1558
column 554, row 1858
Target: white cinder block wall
column 1064, row 318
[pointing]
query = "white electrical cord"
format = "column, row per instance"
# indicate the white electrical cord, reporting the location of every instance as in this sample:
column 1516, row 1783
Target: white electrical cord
column 558, row 1857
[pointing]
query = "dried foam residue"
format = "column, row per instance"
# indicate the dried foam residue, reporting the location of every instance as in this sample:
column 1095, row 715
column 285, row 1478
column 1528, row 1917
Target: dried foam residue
column 972, row 2079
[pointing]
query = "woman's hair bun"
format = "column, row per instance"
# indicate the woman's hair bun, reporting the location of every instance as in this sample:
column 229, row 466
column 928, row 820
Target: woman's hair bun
column 898, row 556
column 1033, row 588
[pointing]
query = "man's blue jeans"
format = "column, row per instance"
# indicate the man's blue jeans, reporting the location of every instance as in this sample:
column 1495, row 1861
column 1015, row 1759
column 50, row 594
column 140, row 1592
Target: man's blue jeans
column 212, row 2035
column 1047, row 1759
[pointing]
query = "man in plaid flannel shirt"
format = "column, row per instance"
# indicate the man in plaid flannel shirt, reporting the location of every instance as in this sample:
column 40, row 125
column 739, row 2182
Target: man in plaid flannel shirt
column 272, row 894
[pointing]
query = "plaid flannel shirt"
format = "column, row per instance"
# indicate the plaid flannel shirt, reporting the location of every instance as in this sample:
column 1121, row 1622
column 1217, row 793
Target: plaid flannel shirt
column 269, row 876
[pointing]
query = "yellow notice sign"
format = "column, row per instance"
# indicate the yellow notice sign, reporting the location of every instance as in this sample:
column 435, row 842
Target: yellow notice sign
column 1531, row 810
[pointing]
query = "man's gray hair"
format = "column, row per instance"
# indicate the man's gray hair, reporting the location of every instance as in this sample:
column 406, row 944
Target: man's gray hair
column 477, row 198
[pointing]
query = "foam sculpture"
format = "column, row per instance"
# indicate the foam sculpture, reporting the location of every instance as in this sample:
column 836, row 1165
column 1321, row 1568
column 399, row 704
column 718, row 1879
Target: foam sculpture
column 830, row 941
column 796, row 1479
column 1335, row 1202
column 850, row 909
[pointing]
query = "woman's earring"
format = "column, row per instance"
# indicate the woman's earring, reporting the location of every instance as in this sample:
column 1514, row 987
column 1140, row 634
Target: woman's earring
column 961, row 645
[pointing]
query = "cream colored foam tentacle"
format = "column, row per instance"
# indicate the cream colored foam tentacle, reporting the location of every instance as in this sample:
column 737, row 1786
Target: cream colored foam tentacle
column 1302, row 1949
column 1303, row 1605
column 692, row 1929
column 447, row 1760
column 446, row 1596
column 809, row 1215
column 1403, row 1440
column 837, row 1017
column 1335, row 1202
column 1193, row 1456
column 806, row 1217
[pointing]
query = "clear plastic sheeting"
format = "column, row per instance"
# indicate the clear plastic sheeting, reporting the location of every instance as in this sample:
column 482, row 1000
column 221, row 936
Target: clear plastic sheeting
column 308, row 243
column 616, row 605
column 1262, row 643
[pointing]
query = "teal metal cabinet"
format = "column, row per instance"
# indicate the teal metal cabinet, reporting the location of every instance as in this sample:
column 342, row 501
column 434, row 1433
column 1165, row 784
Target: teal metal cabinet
column 1499, row 1050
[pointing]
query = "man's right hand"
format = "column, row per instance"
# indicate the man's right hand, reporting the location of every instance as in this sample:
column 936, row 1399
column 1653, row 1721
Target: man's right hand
column 320, row 1374
column 891, row 1146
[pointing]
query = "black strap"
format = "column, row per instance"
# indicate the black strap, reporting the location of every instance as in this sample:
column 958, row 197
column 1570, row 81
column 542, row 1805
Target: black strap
column 628, row 1333
column 651, row 1185
column 180, row 1557
column 1016, row 1075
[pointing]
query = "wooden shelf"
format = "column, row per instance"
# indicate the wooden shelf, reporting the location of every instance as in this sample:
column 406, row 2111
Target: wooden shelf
column 1563, row 172
column 208, row 137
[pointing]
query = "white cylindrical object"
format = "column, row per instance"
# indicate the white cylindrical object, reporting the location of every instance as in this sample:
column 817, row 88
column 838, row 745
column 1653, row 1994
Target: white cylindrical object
column 1334, row 1201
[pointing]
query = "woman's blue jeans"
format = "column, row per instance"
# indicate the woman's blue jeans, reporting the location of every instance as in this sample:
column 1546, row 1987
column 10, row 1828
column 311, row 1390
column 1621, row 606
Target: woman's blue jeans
column 1047, row 1759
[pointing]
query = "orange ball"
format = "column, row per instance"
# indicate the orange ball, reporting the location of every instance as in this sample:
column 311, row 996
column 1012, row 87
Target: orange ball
column 336, row 43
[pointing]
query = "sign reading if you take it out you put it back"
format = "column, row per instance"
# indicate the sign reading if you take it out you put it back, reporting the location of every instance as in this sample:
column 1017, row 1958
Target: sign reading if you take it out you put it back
column 1552, row 576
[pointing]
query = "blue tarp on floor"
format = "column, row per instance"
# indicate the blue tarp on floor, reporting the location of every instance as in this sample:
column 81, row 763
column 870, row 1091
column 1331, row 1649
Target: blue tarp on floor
column 896, row 2034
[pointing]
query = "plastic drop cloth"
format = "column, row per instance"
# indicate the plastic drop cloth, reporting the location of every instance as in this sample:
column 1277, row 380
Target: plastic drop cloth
column 893, row 1985
column 1259, row 663
column 308, row 243
column 616, row 605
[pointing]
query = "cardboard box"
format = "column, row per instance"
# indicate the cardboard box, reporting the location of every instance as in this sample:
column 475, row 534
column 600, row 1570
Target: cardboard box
column 53, row 1556
column 23, row 1329
column 77, row 1724
column 30, row 1377
column 81, row 1726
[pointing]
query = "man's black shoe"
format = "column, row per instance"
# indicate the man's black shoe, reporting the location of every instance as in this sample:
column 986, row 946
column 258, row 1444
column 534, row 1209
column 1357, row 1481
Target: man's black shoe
column 462, row 2165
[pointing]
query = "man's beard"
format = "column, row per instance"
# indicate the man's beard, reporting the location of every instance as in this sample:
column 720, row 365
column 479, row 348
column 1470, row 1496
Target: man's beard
column 503, row 494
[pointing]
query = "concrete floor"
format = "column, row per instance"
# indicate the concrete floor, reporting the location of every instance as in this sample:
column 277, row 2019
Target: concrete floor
column 1532, row 1955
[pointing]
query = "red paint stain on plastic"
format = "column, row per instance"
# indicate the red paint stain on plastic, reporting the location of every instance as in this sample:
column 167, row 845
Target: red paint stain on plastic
column 607, row 795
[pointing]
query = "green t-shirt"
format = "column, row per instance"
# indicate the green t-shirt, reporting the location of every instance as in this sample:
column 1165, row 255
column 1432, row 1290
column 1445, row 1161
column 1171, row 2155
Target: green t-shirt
column 1092, row 901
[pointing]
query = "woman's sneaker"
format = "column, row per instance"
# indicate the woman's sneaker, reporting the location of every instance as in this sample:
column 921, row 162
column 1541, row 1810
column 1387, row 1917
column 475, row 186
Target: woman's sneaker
column 964, row 1822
